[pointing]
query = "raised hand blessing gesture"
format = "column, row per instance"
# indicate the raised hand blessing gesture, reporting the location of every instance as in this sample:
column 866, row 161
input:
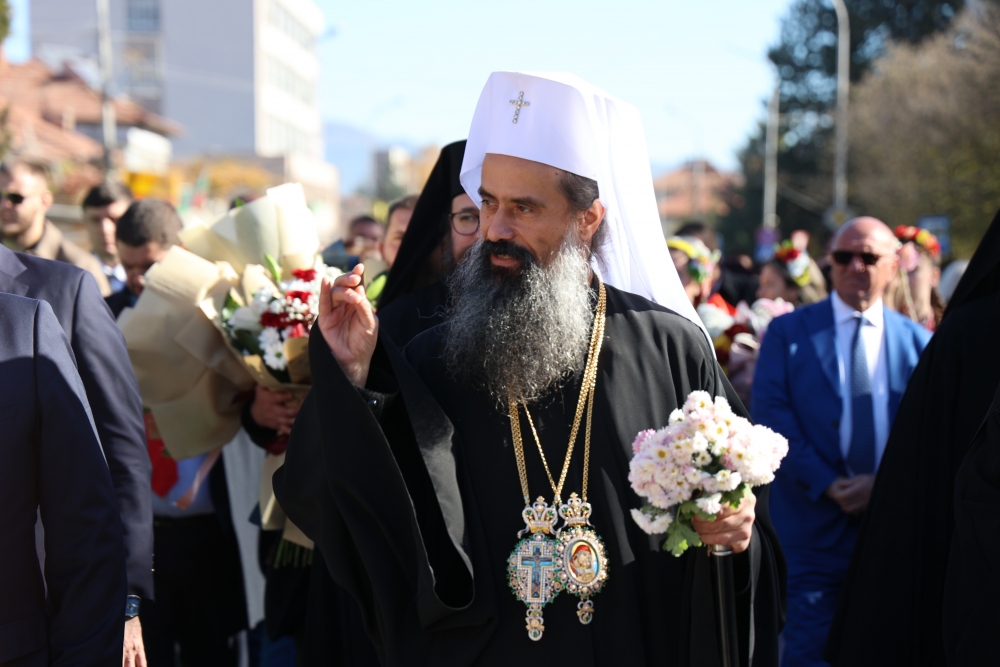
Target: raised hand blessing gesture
column 348, row 324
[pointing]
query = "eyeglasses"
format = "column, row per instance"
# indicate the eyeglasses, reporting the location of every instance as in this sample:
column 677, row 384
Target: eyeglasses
column 465, row 223
column 845, row 257
column 14, row 198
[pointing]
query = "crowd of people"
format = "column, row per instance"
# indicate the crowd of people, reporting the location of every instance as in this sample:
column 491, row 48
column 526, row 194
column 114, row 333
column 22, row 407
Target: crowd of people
column 474, row 303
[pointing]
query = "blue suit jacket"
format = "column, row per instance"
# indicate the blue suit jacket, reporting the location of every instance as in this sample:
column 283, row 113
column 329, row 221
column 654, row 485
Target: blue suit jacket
column 51, row 461
column 112, row 391
column 796, row 392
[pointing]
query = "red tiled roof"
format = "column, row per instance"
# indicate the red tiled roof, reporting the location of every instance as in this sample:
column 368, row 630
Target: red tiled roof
column 44, row 108
column 675, row 191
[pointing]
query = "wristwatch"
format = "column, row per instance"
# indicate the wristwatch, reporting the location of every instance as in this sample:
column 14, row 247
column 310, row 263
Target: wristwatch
column 131, row 606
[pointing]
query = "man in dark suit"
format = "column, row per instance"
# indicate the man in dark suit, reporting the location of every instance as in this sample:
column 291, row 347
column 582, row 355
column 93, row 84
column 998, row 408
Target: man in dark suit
column 830, row 378
column 113, row 395
column 52, row 464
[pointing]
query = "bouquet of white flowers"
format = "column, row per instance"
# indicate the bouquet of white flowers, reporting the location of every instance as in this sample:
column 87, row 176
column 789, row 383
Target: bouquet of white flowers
column 705, row 458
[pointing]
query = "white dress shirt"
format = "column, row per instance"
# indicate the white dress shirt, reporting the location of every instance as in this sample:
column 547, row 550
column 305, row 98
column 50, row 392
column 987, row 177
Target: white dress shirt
column 873, row 335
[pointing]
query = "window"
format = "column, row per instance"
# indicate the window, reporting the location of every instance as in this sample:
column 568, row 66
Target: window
column 285, row 78
column 143, row 15
column 281, row 19
column 140, row 56
column 282, row 138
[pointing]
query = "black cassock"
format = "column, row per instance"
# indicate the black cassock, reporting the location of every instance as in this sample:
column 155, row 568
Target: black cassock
column 411, row 491
column 972, row 587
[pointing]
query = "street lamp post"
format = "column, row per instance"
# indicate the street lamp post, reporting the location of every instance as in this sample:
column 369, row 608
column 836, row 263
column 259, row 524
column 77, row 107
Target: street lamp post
column 843, row 90
column 771, row 159
column 109, row 122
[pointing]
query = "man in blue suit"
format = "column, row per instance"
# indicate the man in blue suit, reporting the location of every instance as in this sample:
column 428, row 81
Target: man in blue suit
column 829, row 378
column 53, row 464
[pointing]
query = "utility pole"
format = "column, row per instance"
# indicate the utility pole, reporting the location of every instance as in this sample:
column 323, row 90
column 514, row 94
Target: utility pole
column 771, row 158
column 108, row 120
column 698, row 188
column 843, row 91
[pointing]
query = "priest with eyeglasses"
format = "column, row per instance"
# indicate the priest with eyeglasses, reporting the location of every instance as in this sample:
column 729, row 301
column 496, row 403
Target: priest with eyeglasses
column 441, row 480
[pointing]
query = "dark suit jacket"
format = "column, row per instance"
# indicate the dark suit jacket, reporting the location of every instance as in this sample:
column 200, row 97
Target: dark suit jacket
column 111, row 387
column 52, row 462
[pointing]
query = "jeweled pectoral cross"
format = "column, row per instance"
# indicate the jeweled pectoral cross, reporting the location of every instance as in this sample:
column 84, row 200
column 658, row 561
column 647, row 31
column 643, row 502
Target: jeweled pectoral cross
column 536, row 562
column 518, row 103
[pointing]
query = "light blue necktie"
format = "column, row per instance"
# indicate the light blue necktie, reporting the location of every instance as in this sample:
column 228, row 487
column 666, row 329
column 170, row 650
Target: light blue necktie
column 861, row 456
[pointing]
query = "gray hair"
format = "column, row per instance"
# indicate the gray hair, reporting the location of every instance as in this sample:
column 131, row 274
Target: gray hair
column 581, row 193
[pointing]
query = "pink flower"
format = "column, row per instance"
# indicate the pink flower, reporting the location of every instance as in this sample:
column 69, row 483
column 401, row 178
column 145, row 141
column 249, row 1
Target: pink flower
column 641, row 438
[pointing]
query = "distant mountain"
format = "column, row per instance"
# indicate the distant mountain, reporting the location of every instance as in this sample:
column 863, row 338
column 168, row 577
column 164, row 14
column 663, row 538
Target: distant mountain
column 352, row 151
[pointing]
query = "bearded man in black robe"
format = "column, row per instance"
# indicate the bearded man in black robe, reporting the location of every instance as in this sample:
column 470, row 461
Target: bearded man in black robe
column 401, row 465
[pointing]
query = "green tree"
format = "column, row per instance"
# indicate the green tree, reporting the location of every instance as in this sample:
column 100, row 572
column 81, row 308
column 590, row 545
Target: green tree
column 806, row 62
column 925, row 130
column 5, row 136
column 4, row 20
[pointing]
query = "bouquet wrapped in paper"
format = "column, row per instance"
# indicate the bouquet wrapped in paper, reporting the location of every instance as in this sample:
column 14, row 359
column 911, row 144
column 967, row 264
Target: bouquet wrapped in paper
column 266, row 322
column 705, row 458
column 188, row 378
column 195, row 363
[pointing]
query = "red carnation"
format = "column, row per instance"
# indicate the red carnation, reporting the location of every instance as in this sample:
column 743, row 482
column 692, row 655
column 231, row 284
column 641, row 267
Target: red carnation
column 307, row 275
column 301, row 295
column 276, row 320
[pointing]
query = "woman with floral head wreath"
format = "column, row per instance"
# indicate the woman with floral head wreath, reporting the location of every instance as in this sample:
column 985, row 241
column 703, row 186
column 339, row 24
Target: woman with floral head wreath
column 920, row 262
column 791, row 275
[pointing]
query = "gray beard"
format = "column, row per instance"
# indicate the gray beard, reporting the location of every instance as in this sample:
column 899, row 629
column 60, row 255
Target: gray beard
column 523, row 331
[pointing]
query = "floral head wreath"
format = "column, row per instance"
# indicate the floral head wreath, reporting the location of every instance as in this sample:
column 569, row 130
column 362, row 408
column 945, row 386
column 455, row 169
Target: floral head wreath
column 922, row 237
column 795, row 261
column 701, row 260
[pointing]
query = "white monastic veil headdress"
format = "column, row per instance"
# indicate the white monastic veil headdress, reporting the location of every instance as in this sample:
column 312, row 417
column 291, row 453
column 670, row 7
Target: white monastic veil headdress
column 560, row 120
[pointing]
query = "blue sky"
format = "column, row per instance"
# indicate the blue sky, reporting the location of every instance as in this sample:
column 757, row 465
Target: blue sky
column 410, row 72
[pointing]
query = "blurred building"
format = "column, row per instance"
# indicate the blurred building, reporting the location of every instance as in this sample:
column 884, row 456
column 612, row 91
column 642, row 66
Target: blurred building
column 398, row 172
column 694, row 191
column 239, row 75
column 56, row 115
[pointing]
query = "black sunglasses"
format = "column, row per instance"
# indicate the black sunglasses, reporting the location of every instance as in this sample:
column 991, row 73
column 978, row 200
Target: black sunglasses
column 13, row 197
column 845, row 257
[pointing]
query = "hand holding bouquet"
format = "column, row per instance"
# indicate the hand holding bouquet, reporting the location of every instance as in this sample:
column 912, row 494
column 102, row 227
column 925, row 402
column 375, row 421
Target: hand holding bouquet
column 705, row 458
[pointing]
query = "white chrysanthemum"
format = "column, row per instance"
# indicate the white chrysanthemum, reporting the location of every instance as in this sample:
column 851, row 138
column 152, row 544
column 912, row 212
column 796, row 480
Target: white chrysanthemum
column 718, row 431
column 722, row 407
column 269, row 337
column 710, row 504
column 274, row 357
column 727, row 480
column 702, row 458
column 697, row 400
column 677, row 416
column 650, row 524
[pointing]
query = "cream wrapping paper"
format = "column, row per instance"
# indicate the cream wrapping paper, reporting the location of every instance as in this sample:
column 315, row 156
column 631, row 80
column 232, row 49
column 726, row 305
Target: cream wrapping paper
column 279, row 225
column 188, row 376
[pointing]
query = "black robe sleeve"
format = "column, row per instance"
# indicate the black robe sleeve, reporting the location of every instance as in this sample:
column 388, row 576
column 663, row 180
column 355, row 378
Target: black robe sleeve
column 403, row 547
column 972, row 587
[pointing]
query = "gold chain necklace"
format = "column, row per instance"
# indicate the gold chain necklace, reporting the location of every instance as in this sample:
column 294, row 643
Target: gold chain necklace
column 540, row 566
